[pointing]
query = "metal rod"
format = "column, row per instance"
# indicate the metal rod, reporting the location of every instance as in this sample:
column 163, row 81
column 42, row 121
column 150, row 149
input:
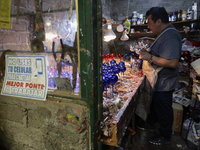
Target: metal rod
column 30, row 51
column 47, row 11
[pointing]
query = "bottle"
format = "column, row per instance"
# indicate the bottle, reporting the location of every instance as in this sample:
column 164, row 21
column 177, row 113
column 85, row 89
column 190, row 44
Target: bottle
column 138, row 21
column 184, row 15
column 170, row 16
column 185, row 128
column 189, row 14
column 194, row 10
column 134, row 18
column 173, row 16
column 180, row 15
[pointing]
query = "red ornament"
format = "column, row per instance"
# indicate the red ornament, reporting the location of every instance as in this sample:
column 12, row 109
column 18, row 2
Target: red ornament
column 186, row 53
column 120, row 56
column 113, row 56
column 108, row 57
column 104, row 57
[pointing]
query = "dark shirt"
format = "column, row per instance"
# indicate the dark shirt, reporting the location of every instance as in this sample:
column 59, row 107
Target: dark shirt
column 168, row 46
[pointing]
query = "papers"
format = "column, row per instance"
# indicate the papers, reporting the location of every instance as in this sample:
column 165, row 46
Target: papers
column 198, row 91
column 196, row 65
column 181, row 100
column 198, row 88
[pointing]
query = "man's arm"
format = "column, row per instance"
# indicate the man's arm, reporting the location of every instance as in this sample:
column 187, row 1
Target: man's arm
column 168, row 63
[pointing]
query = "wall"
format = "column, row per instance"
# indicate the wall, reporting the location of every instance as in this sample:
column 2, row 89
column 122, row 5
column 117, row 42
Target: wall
column 25, row 124
column 121, row 9
column 55, row 124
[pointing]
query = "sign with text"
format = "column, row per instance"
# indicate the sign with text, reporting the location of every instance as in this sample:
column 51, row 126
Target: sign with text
column 26, row 76
column 5, row 7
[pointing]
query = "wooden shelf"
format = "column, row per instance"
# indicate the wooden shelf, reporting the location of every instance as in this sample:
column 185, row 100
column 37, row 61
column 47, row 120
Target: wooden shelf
column 174, row 23
column 191, row 31
column 187, row 21
column 142, row 34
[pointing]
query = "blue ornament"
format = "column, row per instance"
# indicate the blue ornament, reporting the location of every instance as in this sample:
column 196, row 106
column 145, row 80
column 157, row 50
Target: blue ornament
column 107, row 81
column 116, row 70
column 121, row 63
column 105, row 70
column 106, row 64
column 114, row 79
column 112, row 62
column 123, row 69
column 104, row 83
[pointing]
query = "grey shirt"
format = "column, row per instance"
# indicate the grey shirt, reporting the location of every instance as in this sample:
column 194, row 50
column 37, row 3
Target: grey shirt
column 167, row 46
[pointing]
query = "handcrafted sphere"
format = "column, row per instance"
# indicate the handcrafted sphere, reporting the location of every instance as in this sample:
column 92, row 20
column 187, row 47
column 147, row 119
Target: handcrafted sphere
column 108, row 81
column 120, row 56
column 121, row 63
column 123, row 69
column 112, row 62
column 113, row 56
column 104, row 82
column 116, row 70
column 106, row 64
column 114, row 79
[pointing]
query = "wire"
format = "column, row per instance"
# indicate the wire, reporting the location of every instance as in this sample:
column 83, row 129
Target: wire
column 128, row 8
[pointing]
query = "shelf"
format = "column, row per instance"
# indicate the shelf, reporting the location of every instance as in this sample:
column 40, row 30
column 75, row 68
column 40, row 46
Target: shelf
column 147, row 34
column 177, row 22
column 143, row 25
column 187, row 21
column 191, row 31
column 142, row 34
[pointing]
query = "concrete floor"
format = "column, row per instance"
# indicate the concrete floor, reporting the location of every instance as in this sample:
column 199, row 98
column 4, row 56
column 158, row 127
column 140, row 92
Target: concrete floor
column 139, row 141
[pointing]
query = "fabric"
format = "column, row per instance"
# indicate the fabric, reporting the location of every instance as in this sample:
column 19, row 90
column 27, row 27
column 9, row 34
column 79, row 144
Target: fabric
column 144, row 101
column 150, row 73
column 167, row 46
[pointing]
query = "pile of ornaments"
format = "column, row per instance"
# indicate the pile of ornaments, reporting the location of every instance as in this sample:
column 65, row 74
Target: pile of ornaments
column 111, row 70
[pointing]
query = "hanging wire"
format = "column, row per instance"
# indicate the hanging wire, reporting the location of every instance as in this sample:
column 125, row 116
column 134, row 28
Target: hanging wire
column 115, row 48
column 128, row 8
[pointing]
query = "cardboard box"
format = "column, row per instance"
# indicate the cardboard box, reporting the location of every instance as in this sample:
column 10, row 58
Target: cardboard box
column 178, row 117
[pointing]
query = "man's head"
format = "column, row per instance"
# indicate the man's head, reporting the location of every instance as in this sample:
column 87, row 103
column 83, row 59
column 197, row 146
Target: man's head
column 157, row 19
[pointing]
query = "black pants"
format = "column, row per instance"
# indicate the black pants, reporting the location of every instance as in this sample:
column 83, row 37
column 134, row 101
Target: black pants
column 161, row 111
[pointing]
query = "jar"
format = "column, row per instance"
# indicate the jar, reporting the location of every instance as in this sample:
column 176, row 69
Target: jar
column 141, row 16
column 134, row 14
column 134, row 21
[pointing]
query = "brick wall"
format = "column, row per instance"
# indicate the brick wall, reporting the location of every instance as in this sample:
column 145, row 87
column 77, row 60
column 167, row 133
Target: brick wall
column 27, row 124
column 121, row 9
column 36, row 125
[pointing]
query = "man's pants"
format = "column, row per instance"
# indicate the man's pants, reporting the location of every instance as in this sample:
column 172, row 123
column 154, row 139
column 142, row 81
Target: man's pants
column 161, row 111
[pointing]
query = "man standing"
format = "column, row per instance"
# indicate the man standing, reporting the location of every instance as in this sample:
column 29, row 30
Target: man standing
column 165, row 52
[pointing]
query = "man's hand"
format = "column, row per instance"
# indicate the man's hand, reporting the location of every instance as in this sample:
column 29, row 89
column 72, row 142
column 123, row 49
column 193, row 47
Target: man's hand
column 144, row 55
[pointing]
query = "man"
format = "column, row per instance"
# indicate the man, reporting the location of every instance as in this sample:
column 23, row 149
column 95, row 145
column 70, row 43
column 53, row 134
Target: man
column 165, row 52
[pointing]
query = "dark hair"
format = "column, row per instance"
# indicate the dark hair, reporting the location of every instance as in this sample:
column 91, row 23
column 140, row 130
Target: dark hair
column 158, row 13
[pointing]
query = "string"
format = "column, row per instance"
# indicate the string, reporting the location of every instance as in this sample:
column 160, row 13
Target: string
column 128, row 8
